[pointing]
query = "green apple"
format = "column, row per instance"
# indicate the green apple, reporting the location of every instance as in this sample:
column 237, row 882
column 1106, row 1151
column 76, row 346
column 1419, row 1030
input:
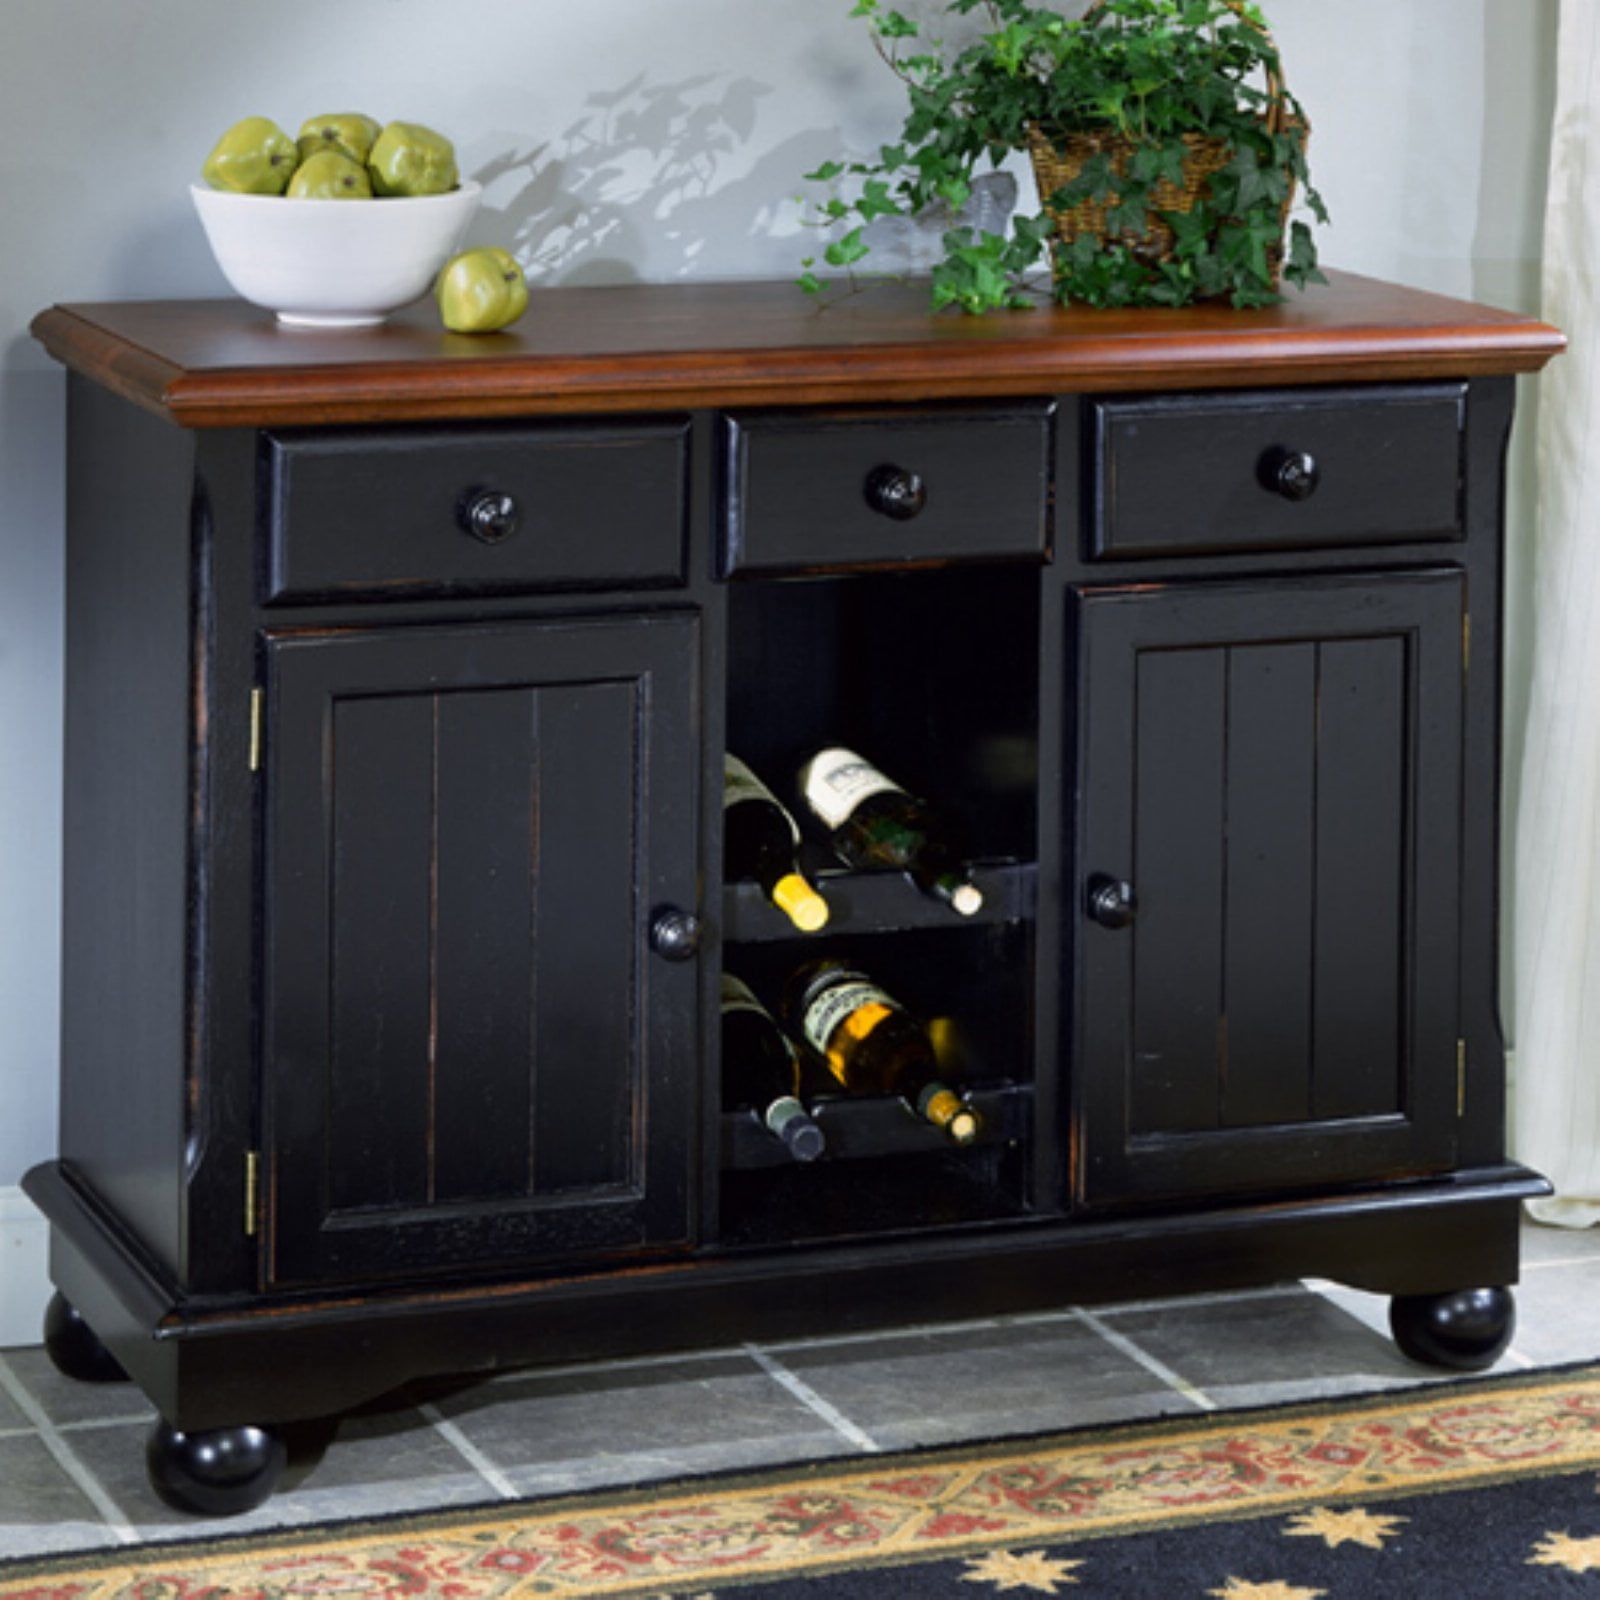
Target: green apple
column 481, row 291
column 254, row 156
column 409, row 159
column 347, row 131
column 330, row 175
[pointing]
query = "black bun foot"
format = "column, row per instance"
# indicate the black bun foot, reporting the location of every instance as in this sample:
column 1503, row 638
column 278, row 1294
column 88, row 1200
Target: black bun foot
column 73, row 1347
column 220, row 1473
column 1468, row 1330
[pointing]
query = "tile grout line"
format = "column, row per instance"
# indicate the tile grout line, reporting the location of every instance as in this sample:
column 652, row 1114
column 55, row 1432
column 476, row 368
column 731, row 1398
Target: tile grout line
column 90, row 1424
column 469, row 1452
column 812, row 1401
column 1197, row 1302
column 1157, row 1368
column 1559, row 1261
column 66, row 1457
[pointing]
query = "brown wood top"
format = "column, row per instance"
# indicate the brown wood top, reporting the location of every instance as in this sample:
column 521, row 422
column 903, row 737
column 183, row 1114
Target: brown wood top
column 223, row 363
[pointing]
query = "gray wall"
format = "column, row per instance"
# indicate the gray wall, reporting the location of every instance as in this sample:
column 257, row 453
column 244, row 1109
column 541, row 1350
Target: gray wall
column 656, row 139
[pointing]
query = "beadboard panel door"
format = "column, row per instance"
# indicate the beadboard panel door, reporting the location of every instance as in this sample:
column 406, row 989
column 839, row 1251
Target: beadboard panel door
column 471, row 1055
column 1282, row 1006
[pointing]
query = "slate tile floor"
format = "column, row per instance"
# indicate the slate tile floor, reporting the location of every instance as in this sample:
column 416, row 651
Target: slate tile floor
column 71, row 1455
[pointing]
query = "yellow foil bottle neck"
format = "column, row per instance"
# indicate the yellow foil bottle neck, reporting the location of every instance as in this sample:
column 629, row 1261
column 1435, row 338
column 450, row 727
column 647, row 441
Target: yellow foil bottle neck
column 946, row 1109
column 800, row 903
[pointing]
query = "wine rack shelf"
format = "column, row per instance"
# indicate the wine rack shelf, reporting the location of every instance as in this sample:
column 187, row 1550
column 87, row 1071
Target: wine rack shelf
column 870, row 1128
column 881, row 902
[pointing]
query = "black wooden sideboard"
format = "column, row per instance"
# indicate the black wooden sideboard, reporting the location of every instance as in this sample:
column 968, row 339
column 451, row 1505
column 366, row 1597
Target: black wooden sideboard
column 400, row 668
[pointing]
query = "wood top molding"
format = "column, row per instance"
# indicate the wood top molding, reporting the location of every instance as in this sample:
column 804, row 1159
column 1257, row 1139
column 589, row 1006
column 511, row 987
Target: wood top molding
column 640, row 348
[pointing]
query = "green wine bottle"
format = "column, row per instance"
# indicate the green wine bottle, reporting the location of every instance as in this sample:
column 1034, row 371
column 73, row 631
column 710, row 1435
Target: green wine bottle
column 873, row 822
column 761, row 1072
column 872, row 1044
column 760, row 840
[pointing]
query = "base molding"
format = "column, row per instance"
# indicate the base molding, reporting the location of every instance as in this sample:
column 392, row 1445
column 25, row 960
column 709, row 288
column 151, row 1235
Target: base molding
column 24, row 1275
column 266, row 1359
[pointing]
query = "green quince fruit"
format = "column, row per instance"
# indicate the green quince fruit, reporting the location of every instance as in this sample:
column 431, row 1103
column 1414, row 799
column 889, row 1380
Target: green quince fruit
column 253, row 157
column 409, row 159
column 330, row 175
column 481, row 291
column 346, row 131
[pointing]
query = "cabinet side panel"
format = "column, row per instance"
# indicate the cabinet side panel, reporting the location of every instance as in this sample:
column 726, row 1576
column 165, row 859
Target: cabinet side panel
column 126, row 815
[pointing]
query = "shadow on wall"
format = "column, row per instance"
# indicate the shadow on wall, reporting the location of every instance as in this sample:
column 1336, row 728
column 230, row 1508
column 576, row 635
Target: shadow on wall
column 638, row 179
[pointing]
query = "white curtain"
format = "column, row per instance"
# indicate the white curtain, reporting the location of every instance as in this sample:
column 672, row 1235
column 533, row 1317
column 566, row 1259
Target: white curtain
column 1558, row 840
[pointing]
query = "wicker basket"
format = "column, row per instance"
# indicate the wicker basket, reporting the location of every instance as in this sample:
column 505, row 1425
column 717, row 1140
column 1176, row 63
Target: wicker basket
column 1058, row 160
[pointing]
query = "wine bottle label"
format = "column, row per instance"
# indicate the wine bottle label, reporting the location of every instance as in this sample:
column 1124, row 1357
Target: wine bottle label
column 739, row 784
column 836, row 1004
column 738, row 996
column 836, row 781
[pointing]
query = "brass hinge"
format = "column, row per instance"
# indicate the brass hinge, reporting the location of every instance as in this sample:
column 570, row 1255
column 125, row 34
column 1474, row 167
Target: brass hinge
column 1461, row 1077
column 256, row 698
column 252, row 1191
column 1466, row 640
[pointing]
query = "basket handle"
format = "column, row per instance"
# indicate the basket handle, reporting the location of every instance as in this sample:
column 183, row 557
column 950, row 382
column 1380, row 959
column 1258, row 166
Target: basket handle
column 1277, row 89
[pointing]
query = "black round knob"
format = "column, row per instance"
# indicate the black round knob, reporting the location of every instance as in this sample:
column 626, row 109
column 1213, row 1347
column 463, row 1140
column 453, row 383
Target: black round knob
column 1111, row 901
column 896, row 492
column 675, row 934
column 489, row 514
column 1292, row 473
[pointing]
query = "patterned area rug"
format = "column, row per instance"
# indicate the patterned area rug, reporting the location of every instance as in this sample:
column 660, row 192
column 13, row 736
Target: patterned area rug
column 1485, row 1489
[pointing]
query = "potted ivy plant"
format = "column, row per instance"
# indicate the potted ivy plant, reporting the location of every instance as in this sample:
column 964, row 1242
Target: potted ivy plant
column 1168, row 149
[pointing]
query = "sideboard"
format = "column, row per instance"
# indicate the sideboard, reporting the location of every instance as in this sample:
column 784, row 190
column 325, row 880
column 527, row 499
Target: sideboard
column 400, row 669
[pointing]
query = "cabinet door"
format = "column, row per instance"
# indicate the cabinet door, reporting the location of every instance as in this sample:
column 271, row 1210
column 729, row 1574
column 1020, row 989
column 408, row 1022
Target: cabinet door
column 1275, row 770
column 472, row 1059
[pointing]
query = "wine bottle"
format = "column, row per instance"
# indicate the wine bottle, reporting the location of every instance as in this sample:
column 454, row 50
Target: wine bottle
column 872, row 1044
column 760, row 839
column 873, row 822
column 761, row 1071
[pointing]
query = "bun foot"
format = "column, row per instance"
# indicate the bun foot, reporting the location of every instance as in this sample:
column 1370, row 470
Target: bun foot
column 1468, row 1330
column 219, row 1473
column 73, row 1347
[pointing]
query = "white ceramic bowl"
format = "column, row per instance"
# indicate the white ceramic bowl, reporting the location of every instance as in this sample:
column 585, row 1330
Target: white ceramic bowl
column 333, row 263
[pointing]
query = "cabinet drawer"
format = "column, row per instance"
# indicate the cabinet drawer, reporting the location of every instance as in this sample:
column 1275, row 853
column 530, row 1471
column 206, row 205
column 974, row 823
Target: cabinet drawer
column 1282, row 470
column 403, row 514
column 843, row 490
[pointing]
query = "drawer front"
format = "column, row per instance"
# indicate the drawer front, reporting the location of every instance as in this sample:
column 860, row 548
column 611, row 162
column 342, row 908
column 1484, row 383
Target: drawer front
column 846, row 490
column 382, row 513
column 1285, row 470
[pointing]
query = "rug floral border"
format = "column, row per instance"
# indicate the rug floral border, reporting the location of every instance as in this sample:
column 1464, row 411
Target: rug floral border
column 685, row 1537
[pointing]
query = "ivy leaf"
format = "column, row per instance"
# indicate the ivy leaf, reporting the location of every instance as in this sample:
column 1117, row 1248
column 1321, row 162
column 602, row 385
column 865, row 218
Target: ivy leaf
column 955, row 192
column 1129, row 216
column 876, row 202
column 896, row 25
column 826, row 173
column 847, row 251
column 1252, row 184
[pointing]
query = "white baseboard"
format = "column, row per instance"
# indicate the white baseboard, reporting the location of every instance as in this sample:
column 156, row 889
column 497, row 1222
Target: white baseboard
column 24, row 1282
